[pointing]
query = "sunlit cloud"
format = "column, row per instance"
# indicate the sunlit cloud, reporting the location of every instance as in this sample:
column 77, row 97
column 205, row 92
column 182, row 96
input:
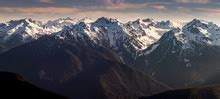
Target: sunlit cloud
column 174, row 9
column 158, row 7
column 209, row 11
column 38, row 10
column 46, row 1
column 184, row 10
column 126, row 6
column 193, row 1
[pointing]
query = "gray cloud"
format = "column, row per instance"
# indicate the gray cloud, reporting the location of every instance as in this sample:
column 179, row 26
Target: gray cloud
column 68, row 3
column 155, row 8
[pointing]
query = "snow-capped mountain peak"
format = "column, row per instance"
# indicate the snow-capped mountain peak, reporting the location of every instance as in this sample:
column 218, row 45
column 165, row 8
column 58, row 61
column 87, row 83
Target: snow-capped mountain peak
column 85, row 20
column 25, row 28
column 194, row 35
column 103, row 21
column 148, row 20
column 202, row 32
column 23, row 22
column 137, row 35
column 61, row 22
column 53, row 26
column 169, row 24
column 144, row 22
column 197, row 22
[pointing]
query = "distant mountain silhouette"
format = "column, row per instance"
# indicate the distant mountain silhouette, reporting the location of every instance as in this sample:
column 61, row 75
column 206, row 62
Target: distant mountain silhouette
column 14, row 86
column 212, row 92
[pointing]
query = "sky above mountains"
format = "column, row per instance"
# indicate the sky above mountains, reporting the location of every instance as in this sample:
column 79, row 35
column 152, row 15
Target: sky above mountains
column 180, row 10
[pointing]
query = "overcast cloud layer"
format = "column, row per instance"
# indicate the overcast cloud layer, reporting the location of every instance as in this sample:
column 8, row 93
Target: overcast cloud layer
column 123, row 9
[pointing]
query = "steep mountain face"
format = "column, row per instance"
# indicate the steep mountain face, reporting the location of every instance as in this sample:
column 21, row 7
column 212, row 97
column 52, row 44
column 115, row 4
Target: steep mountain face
column 76, row 70
column 163, row 49
column 141, row 33
column 211, row 92
column 18, row 32
column 13, row 85
column 168, row 24
column 185, row 56
column 57, row 25
column 126, row 39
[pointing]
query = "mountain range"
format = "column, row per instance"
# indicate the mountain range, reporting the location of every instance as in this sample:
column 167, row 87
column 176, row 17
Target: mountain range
column 106, row 57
